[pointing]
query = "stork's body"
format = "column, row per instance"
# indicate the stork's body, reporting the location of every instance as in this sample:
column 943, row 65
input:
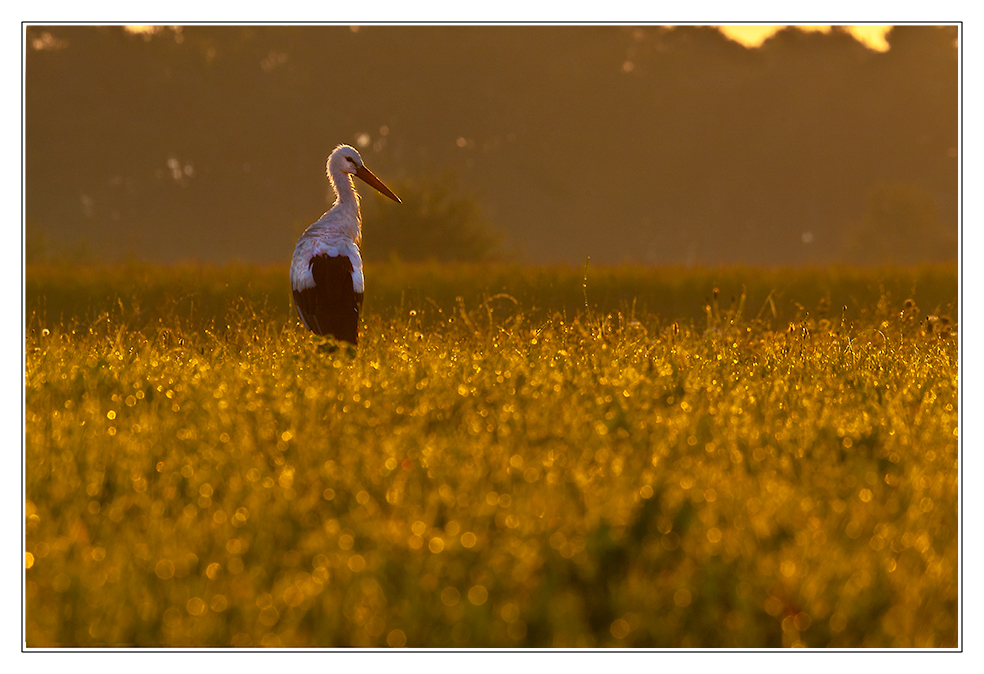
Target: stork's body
column 326, row 270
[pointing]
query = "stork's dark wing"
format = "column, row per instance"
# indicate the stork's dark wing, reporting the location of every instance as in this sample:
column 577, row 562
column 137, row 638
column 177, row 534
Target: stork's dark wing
column 331, row 306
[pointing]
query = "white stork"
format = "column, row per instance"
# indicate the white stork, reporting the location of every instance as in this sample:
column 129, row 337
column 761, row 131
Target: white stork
column 326, row 271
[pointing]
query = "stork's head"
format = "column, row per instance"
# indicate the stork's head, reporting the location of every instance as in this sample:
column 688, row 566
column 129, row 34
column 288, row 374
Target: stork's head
column 346, row 159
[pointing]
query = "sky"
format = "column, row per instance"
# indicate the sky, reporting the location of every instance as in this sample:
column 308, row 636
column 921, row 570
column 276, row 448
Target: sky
column 752, row 35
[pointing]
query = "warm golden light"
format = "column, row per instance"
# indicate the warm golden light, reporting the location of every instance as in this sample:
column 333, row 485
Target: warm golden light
column 753, row 35
column 149, row 31
column 711, row 431
column 141, row 29
column 872, row 36
column 750, row 36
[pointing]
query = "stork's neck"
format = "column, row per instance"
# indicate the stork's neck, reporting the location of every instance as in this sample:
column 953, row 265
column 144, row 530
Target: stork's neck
column 343, row 218
column 344, row 188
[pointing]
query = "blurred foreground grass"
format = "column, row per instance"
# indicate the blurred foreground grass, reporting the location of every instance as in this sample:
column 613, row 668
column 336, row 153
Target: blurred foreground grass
column 510, row 460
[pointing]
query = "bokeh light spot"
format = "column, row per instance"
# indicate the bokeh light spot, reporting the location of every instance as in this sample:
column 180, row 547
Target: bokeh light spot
column 396, row 639
column 477, row 595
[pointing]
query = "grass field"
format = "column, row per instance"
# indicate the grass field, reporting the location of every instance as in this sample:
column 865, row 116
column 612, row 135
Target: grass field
column 513, row 457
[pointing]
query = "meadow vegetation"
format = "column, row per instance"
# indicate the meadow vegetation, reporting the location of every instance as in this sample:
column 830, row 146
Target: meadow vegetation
column 512, row 457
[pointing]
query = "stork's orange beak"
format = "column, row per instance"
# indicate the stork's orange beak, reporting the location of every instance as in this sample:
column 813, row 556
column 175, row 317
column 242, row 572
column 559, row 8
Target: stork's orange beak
column 370, row 179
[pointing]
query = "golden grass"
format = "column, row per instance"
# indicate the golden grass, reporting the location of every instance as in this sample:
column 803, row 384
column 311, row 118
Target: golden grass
column 497, row 465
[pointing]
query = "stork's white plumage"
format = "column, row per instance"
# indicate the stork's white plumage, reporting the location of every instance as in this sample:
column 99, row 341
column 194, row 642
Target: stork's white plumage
column 326, row 270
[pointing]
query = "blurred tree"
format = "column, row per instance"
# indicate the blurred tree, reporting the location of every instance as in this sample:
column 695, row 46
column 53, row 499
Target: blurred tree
column 41, row 248
column 901, row 225
column 438, row 220
column 35, row 244
column 209, row 142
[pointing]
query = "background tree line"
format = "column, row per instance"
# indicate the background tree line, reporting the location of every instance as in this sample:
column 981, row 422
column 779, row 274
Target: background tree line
column 544, row 144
